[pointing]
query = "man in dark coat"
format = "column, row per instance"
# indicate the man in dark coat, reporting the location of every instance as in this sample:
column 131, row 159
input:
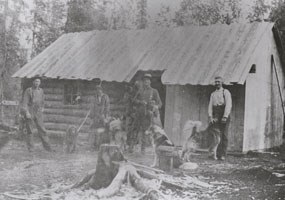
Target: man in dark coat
column 144, row 97
column 32, row 110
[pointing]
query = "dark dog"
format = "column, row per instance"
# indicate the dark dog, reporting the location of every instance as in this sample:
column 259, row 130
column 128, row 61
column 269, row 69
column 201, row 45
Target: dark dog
column 71, row 139
column 192, row 131
column 158, row 138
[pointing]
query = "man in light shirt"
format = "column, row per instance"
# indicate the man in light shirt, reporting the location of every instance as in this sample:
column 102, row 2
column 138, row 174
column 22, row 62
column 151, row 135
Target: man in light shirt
column 219, row 115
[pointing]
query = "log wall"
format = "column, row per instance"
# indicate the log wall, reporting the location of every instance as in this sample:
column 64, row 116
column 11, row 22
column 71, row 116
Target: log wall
column 58, row 115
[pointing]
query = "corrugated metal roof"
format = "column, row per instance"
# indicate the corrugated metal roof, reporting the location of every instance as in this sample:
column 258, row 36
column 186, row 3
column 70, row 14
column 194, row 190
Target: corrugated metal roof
column 216, row 50
column 188, row 54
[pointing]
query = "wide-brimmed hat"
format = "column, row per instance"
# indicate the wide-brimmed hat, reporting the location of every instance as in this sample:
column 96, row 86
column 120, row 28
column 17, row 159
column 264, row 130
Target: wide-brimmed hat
column 147, row 76
column 36, row 77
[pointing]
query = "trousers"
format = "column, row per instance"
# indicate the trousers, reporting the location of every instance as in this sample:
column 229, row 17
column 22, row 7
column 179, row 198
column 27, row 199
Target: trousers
column 37, row 119
column 218, row 112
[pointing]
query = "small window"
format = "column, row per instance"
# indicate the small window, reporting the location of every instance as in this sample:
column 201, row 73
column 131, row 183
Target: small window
column 252, row 69
column 71, row 93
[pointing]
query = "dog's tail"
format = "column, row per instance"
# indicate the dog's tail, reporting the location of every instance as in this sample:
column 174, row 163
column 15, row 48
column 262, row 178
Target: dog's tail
column 191, row 126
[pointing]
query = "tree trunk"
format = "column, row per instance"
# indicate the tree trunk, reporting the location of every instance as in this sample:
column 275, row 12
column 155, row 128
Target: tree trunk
column 105, row 171
column 116, row 184
column 111, row 173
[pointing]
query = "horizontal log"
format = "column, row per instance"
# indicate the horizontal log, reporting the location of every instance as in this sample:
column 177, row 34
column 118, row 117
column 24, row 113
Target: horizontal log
column 82, row 137
column 166, row 183
column 64, row 119
column 66, row 112
column 82, row 106
column 54, row 97
column 64, row 126
column 61, row 105
column 52, row 83
column 114, row 95
column 54, row 90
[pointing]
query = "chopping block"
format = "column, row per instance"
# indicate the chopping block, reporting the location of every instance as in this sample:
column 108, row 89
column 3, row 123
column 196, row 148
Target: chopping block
column 168, row 157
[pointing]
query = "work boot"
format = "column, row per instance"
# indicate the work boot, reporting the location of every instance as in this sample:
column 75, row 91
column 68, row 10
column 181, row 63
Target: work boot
column 212, row 156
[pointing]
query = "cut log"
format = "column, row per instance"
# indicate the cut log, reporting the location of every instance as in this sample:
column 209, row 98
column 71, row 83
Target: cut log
column 166, row 183
column 139, row 184
column 146, row 167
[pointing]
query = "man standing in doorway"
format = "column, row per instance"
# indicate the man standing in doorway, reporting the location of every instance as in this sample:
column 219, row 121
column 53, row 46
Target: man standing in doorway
column 143, row 98
column 219, row 115
column 100, row 113
column 32, row 110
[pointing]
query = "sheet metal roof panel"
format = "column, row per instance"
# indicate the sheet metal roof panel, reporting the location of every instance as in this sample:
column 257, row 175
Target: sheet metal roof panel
column 230, row 60
column 190, row 55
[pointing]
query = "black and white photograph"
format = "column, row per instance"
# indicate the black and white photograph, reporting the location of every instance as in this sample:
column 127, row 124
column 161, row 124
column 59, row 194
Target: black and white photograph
column 142, row 99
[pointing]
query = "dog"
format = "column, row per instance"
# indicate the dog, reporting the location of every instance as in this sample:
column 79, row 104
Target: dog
column 158, row 138
column 118, row 135
column 71, row 139
column 194, row 137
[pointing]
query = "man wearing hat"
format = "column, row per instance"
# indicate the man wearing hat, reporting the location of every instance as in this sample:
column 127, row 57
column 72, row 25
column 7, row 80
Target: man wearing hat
column 219, row 116
column 142, row 99
column 32, row 111
column 100, row 112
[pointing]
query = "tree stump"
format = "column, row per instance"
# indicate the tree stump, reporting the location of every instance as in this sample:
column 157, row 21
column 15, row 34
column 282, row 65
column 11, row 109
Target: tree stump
column 111, row 173
column 105, row 169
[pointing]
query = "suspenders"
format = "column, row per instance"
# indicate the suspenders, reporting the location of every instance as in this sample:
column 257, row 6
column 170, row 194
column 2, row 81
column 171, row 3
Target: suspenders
column 224, row 96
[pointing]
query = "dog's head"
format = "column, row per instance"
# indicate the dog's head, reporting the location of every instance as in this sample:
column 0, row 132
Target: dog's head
column 156, row 132
column 71, row 131
column 116, row 124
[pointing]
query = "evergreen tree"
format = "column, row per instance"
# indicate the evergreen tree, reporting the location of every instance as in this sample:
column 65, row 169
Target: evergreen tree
column 277, row 15
column 196, row 12
column 142, row 14
column 84, row 15
column 12, row 54
column 47, row 24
